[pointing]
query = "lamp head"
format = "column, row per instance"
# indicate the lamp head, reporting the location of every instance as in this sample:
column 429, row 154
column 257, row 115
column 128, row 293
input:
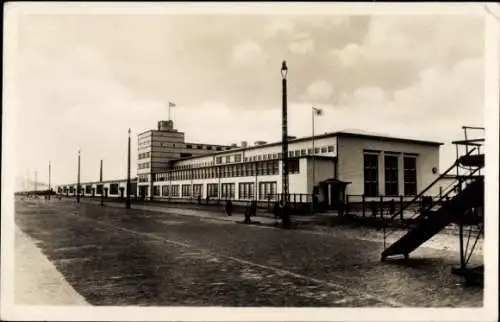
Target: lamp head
column 284, row 69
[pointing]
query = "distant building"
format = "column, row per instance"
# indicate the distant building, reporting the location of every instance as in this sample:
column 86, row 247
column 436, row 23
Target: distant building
column 344, row 162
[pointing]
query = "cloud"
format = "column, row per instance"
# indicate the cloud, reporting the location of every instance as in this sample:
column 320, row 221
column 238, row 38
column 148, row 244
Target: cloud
column 319, row 91
column 82, row 84
column 349, row 56
column 302, row 46
column 248, row 53
column 278, row 26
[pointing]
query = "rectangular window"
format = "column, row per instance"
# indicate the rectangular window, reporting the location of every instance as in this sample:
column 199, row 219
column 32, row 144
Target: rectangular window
column 371, row 175
column 293, row 166
column 303, row 152
column 237, row 158
column 175, row 190
column 309, row 151
column 99, row 189
column 330, row 148
column 186, row 190
column 218, row 160
column 227, row 190
column 316, row 150
column 213, row 190
column 323, row 149
column 113, row 189
column 391, row 175
column 164, row 191
column 197, row 190
column 267, row 190
column 246, row 190
column 228, row 159
column 156, row 190
column 88, row 189
column 410, row 176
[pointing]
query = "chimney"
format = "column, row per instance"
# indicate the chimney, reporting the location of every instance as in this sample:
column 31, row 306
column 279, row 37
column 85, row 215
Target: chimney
column 260, row 142
column 234, row 145
column 244, row 144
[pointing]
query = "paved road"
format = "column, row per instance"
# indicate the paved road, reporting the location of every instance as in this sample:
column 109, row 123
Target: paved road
column 114, row 256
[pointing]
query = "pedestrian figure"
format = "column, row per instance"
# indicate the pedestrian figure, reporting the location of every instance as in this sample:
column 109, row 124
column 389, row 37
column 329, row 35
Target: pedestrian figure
column 373, row 208
column 199, row 199
column 276, row 210
column 207, row 199
column 253, row 208
column 229, row 207
column 248, row 213
column 285, row 217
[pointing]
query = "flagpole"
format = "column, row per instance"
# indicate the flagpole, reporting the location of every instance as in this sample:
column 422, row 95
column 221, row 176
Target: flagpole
column 313, row 164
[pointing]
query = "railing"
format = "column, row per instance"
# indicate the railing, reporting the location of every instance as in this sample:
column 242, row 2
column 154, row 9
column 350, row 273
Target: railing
column 422, row 193
column 437, row 201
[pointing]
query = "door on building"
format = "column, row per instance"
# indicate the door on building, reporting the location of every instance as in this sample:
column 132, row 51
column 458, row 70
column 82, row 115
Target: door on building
column 334, row 192
column 122, row 192
column 143, row 191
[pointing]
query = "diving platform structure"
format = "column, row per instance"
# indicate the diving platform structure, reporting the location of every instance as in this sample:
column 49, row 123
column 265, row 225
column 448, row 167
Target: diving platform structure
column 460, row 203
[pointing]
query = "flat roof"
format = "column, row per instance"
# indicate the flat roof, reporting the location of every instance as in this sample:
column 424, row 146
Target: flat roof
column 132, row 180
column 344, row 133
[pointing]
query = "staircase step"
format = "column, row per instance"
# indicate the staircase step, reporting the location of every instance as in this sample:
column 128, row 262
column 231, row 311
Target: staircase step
column 436, row 221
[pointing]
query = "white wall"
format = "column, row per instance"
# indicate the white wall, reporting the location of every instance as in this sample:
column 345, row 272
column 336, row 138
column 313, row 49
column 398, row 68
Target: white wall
column 350, row 159
column 323, row 170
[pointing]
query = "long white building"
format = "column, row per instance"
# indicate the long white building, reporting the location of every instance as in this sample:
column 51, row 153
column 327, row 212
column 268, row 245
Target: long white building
column 342, row 163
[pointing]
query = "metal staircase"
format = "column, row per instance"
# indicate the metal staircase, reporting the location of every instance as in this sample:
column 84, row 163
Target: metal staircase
column 458, row 204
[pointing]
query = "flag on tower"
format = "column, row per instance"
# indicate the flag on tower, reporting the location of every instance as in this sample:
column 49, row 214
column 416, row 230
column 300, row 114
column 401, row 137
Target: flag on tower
column 170, row 104
column 318, row 111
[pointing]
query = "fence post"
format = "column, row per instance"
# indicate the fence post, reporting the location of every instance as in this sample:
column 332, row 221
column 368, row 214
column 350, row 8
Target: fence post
column 363, row 205
column 381, row 207
column 347, row 205
column 401, row 208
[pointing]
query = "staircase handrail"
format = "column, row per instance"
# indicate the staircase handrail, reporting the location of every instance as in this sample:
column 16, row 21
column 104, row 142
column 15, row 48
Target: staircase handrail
column 421, row 194
column 423, row 210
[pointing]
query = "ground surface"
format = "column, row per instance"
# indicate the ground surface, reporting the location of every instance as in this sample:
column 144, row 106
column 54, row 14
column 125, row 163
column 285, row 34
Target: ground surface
column 115, row 256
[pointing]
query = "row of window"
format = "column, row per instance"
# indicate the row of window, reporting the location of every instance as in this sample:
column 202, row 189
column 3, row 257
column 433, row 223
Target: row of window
column 144, row 165
column 208, row 147
column 214, row 190
column 262, row 168
column 144, row 155
column 87, row 189
column 391, row 174
column 235, row 158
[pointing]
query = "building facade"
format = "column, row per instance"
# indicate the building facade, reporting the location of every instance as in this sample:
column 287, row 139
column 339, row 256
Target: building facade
column 342, row 163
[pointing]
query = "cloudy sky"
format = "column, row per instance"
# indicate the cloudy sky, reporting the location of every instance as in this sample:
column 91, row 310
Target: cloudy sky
column 83, row 80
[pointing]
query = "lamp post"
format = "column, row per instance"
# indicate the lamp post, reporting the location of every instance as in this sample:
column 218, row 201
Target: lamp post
column 50, row 187
column 36, row 183
column 315, row 111
column 127, row 205
column 102, row 186
column 78, row 180
column 284, row 147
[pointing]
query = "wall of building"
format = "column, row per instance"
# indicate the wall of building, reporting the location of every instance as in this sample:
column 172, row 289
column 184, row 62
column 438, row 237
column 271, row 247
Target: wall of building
column 323, row 170
column 297, row 181
column 351, row 167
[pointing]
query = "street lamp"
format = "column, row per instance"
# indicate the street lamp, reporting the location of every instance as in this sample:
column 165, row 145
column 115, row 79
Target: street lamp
column 50, row 187
column 284, row 148
column 78, row 180
column 102, row 185
column 315, row 111
column 127, row 205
